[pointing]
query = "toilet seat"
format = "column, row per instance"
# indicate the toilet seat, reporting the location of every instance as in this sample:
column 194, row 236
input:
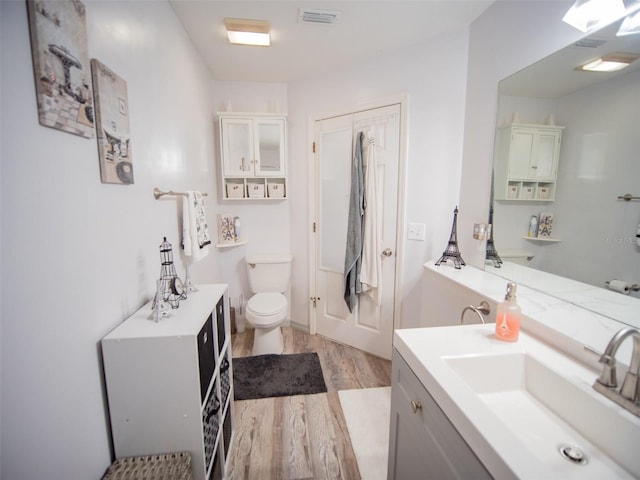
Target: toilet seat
column 266, row 309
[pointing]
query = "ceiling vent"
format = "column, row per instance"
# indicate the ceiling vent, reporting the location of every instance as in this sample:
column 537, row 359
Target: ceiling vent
column 325, row 17
column 590, row 42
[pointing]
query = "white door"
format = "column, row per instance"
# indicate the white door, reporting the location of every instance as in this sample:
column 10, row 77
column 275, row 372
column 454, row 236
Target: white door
column 369, row 327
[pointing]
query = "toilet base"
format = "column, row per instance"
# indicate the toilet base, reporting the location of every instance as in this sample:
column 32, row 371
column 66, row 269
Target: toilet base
column 268, row 341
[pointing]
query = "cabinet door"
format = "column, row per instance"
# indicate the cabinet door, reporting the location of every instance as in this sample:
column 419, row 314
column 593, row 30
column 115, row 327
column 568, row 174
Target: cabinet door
column 237, row 146
column 423, row 443
column 520, row 153
column 270, row 148
column 544, row 161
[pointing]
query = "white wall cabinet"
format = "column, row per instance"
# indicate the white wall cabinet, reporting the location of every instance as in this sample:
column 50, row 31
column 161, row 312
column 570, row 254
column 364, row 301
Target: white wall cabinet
column 527, row 158
column 170, row 383
column 253, row 156
column 423, row 443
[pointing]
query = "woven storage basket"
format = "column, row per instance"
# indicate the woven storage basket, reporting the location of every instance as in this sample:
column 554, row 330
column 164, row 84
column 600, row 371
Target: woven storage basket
column 169, row 466
column 235, row 190
column 256, row 190
column 276, row 190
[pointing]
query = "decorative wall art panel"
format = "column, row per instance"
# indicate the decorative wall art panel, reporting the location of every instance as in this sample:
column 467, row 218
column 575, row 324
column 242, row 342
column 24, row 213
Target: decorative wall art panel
column 226, row 229
column 545, row 224
column 61, row 65
column 112, row 125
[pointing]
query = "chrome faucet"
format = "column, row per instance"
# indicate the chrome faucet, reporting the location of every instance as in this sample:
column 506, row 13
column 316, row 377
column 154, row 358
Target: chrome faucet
column 607, row 383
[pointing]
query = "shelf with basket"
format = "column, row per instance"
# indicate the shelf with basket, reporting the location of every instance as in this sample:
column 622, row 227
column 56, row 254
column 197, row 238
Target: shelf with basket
column 527, row 158
column 170, row 383
column 254, row 156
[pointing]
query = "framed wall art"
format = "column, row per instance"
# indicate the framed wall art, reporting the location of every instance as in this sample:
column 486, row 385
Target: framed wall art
column 545, row 224
column 61, row 67
column 112, row 124
column 226, row 229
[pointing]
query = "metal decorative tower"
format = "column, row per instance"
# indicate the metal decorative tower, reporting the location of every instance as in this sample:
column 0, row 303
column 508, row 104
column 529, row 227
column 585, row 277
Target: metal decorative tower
column 171, row 287
column 492, row 253
column 452, row 252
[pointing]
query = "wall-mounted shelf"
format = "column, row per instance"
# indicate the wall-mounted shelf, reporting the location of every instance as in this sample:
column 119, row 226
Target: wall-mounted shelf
column 253, row 151
column 526, row 163
column 543, row 239
column 227, row 245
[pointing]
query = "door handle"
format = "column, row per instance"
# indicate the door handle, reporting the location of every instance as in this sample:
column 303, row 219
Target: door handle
column 387, row 252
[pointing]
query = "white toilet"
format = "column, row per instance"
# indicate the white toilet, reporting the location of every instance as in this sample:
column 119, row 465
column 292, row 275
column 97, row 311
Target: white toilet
column 269, row 277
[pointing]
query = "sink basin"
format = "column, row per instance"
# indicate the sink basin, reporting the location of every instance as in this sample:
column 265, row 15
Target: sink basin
column 550, row 413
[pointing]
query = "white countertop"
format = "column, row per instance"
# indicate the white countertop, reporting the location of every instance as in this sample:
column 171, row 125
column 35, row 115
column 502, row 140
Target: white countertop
column 493, row 440
column 575, row 320
column 187, row 319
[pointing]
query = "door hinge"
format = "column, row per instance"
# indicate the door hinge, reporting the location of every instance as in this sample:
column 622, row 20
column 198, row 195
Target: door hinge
column 313, row 147
column 314, row 227
column 314, row 300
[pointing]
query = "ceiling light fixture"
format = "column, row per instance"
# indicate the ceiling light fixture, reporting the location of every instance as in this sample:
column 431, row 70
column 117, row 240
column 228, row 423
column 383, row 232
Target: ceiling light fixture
column 611, row 62
column 630, row 25
column 248, row 32
column 588, row 15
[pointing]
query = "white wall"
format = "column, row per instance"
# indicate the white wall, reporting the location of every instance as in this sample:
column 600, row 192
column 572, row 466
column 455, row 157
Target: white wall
column 79, row 256
column 599, row 162
column 433, row 77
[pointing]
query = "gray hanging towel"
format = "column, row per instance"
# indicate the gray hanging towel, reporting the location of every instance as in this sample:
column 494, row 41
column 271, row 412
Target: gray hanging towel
column 353, row 253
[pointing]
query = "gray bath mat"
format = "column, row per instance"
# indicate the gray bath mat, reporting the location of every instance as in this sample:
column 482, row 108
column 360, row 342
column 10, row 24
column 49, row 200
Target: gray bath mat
column 264, row 376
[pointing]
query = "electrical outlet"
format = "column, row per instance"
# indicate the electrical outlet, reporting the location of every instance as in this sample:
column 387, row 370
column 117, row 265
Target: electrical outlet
column 416, row 231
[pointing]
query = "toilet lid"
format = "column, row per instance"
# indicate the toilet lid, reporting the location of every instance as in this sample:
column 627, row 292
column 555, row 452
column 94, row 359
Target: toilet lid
column 267, row 303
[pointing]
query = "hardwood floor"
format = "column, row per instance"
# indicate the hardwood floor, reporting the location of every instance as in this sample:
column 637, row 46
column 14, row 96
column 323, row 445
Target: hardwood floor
column 304, row 436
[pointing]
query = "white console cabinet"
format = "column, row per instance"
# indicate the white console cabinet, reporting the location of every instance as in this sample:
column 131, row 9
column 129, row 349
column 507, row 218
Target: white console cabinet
column 253, row 151
column 170, row 383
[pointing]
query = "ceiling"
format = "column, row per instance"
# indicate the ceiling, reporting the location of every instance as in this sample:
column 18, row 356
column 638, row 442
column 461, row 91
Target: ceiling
column 366, row 29
column 556, row 75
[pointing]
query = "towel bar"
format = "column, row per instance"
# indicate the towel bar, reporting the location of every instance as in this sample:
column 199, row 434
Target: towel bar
column 157, row 193
column 627, row 197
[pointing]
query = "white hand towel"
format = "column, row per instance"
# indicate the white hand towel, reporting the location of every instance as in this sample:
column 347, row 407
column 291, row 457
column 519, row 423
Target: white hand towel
column 195, row 233
column 371, row 270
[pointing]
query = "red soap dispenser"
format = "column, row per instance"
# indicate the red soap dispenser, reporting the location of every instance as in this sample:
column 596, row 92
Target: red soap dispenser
column 508, row 316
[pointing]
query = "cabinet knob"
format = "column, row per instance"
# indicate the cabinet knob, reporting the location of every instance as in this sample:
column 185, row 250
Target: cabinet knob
column 415, row 406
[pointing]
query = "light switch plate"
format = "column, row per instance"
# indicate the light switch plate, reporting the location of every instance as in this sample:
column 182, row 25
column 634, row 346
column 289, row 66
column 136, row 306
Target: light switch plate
column 416, row 231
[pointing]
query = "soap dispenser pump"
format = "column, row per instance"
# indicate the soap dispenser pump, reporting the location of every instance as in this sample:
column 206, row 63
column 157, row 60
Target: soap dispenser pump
column 508, row 315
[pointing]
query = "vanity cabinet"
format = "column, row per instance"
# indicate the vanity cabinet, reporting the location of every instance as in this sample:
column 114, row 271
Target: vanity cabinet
column 526, row 166
column 253, row 156
column 170, row 383
column 423, row 443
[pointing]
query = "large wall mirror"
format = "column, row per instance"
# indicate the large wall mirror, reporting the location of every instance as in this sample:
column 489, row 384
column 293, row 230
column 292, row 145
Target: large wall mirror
column 593, row 237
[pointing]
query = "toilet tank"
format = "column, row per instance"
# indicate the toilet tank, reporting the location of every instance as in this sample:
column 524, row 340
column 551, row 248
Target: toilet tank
column 269, row 273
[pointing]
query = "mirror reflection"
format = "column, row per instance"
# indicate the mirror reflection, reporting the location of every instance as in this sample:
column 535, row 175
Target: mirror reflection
column 567, row 147
column 269, row 147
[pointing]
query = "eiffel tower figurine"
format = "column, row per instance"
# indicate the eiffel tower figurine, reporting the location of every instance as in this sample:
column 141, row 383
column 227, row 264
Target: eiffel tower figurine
column 452, row 252
column 492, row 253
